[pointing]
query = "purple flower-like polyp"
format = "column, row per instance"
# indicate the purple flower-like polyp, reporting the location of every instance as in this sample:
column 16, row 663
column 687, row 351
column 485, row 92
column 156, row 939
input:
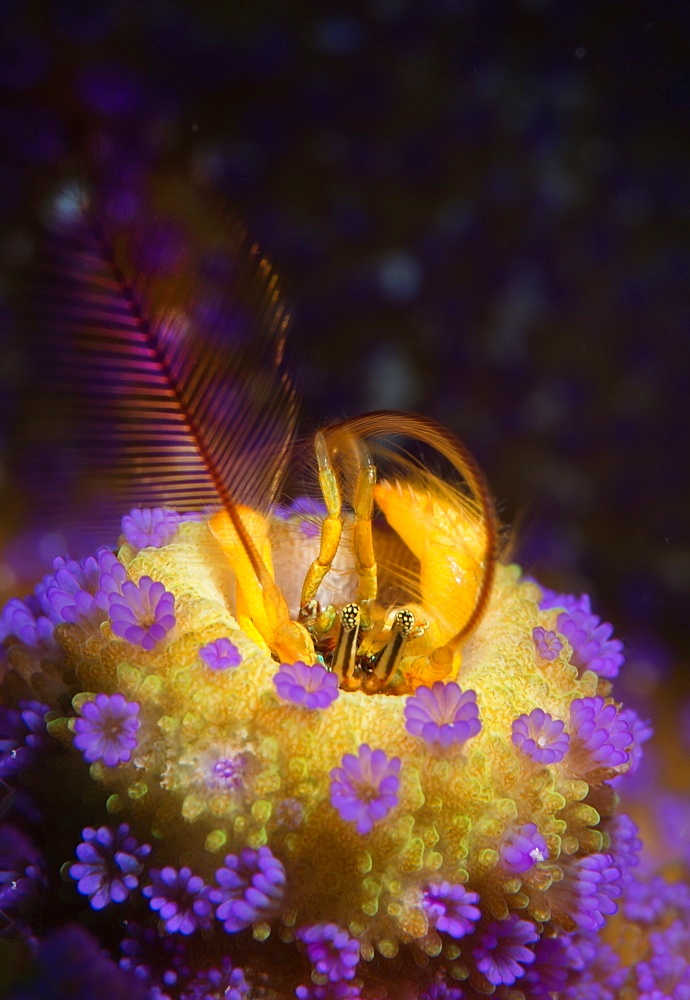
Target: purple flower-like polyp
column 25, row 621
column 547, row 644
column 307, row 686
column 331, row 950
column 108, row 729
column 600, row 736
column 159, row 960
column 226, row 773
column 588, row 890
column 365, row 788
column 181, row 899
column 252, row 886
column 65, row 596
column 625, row 845
column 666, row 972
column 541, row 737
column 502, row 953
column 22, row 734
column 592, row 645
column 221, row 654
column 151, row 527
column 642, row 730
column 110, row 862
column 646, row 901
column 547, row 976
column 552, row 599
column 21, row 870
column 522, row 848
column 451, row 908
column 73, row 592
column 442, row 715
column 110, row 580
column 142, row 613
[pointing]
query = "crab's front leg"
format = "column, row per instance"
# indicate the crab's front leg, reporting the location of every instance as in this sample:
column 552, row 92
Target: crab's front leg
column 331, row 530
column 362, row 539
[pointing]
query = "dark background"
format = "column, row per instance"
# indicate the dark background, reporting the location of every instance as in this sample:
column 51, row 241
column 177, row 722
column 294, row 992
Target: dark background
column 479, row 211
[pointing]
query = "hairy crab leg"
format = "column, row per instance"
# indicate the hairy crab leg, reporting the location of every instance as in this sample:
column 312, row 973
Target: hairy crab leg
column 331, row 528
column 362, row 539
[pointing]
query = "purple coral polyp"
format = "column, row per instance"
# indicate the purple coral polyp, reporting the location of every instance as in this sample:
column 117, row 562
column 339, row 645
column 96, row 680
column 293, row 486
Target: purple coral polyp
column 22, row 877
column 150, row 526
column 111, row 578
column 625, row 845
column 221, row 654
column 592, row 643
column 443, row 715
column 181, row 899
column 109, row 865
column 666, row 972
column 642, row 730
column 310, row 687
column 540, row 737
column 331, row 950
column 589, row 890
column 22, row 735
column 227, row 773
column 600, row 736
column 65, row 594
column 71, row 592
column 252, row 886
column 158, row 960
column 501, row 952
column 451, row 908
column 591, row 639
column 365, row 788
column 142, row 613
column 522, row 848
column 553, row 599
column 547, row 644
column 79, row 608
column 25, row 621
column 107, row 730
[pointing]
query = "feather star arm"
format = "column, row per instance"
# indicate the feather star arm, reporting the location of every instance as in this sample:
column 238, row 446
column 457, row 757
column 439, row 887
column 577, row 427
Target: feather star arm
column 160, row 361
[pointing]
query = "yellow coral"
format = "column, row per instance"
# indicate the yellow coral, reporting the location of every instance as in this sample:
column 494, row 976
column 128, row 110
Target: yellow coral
column 454, row 806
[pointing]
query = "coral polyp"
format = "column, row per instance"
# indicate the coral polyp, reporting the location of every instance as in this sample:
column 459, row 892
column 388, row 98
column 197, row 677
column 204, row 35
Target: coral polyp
column 396, row 843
